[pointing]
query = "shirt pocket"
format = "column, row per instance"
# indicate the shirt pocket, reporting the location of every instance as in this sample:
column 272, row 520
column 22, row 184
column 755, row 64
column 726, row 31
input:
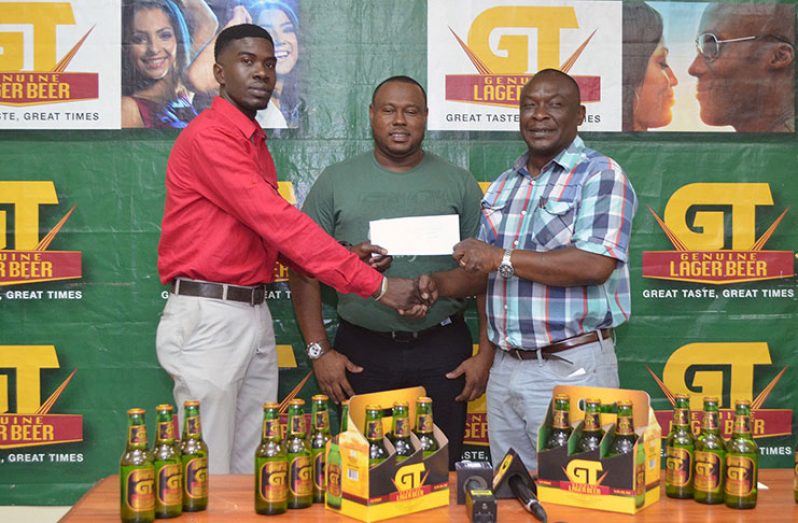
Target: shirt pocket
column 491, row 222
column 552, row 225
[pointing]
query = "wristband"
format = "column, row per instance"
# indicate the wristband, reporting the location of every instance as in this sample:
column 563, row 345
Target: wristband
column 383, row 289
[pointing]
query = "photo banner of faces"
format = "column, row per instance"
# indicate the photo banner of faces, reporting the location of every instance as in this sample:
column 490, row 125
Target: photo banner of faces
column 168, row 57
column 55, row 70
column 685, row 67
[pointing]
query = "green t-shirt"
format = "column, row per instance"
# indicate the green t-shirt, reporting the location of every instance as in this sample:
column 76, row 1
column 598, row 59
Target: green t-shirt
column 348, row 195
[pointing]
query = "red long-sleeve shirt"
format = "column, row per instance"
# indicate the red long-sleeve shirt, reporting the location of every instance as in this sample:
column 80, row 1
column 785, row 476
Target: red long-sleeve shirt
column 224, row 220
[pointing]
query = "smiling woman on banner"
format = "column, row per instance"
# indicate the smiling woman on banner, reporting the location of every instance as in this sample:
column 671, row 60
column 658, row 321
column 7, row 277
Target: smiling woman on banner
column 157, row 46
column 648, row 80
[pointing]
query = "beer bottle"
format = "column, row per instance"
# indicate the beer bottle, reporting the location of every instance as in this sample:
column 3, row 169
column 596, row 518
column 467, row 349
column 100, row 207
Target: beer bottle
column 300, row 469
column 271, row 465
column 679, row 448
column 591, row 431
column 424, row 424
column 136, row 473
column 625, row 437
column 400, row 431
column 374, row 434
column 710, row 457
column 333, row 493
column 344, row 416
column 560, row 422
column 168, row 468
column 742, row 460
column 194, row 460
column 319, row 437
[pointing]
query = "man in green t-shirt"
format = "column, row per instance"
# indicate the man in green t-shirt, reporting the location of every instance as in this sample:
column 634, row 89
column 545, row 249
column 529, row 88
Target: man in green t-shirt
column 375, row 347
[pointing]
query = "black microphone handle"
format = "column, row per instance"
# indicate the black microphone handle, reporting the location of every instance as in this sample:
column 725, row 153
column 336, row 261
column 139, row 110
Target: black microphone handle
column 527, row 498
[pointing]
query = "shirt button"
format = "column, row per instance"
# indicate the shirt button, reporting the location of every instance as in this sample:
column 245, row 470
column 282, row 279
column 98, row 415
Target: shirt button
column 523, row 213
column 505, row 307
column 507, row 338
column 515, row 243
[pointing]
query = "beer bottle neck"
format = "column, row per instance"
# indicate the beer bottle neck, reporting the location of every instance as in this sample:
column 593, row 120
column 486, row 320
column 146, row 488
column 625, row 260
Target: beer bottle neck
column 137, row 436
column 165, row 432
column 192, row 428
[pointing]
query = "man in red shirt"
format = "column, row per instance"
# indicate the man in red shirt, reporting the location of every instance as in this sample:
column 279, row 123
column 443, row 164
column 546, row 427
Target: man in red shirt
column 224, row 227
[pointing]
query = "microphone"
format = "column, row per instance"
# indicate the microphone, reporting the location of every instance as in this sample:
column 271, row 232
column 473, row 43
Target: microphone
column 527, row 498
column 512, row 480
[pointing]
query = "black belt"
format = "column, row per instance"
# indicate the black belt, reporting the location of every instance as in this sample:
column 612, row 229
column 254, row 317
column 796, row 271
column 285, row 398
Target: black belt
column 220, row 291
column 549, row 351
column 410, row 336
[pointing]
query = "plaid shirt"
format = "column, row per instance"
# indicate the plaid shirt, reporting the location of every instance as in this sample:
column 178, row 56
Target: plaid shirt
column 582, row 199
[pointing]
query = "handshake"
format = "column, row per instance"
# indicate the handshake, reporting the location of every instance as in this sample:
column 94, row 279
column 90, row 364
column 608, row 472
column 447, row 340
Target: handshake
column 409, row 297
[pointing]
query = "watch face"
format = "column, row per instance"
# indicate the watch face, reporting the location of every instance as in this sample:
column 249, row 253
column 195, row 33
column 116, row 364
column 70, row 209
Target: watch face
column 314, row 351
column 505, row 271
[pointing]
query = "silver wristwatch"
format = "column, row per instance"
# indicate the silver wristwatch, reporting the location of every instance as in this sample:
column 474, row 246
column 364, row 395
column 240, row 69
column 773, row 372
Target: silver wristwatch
column 314, row 350
column 506, row 267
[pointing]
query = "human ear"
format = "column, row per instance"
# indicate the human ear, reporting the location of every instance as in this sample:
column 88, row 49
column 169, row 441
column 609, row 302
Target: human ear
column 782, row 56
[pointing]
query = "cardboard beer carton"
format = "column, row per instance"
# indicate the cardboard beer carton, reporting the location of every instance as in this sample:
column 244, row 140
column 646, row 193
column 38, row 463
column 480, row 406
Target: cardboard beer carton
column 625, row 483
column 390, row 489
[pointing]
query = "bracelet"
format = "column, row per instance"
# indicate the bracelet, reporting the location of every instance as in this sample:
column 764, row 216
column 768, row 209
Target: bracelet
column 383, row 289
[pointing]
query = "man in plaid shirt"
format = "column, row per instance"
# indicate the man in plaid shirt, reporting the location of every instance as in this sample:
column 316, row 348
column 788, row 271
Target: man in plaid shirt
column 554, row 244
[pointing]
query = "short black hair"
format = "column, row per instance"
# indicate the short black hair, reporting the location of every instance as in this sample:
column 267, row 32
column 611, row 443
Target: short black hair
column 237, row 32
column 402, row 79
column 557, row 74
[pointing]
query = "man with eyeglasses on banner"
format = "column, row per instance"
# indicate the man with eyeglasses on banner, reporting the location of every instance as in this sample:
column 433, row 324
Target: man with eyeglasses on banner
column 745, row 67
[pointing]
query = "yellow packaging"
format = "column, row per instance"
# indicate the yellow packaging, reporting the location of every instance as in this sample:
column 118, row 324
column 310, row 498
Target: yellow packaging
column 626, row 483
column 389, row 489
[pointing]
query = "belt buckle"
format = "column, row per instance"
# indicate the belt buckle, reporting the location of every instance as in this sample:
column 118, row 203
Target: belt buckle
column 258, row 295
column 403, row 337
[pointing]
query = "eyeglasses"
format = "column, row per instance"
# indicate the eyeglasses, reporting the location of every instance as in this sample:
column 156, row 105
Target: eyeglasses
column 708, row 44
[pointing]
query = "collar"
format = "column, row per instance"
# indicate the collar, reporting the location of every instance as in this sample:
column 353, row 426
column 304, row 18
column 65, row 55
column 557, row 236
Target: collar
column 568, row 158
column 249, row 128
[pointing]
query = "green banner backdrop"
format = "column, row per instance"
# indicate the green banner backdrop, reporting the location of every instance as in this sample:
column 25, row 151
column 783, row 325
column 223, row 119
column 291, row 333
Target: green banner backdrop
column 711, row 314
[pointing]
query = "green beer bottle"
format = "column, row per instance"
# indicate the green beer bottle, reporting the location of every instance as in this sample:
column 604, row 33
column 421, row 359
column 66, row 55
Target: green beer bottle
column 710, row 457
column 194, row 459
column 334, row 493
column 742, row 460
column 625, row 437
column 400, row 431
column 374, row 434
column 591, row 431
column 679, row 448
column 424, row 424
column 300, row 469
column 560, row 422
column 136, row 473
column 319, row 436
column 168, row 469
column 271, row 465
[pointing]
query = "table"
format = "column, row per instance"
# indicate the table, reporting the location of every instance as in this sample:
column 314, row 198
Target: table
column 232, row 499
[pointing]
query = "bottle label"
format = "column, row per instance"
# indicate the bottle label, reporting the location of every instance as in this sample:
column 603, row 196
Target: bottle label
column 334, row 480
column 424, row 423
column 196, row 478
column 300, row 480
column 271, row 428
column 740, row 472
column 140, row 490
column 137, row 435
column 193, row 427
column 711, row 420
column 640, row 479
column 678, row 467
column 272, row 480
column 322, row 420
column 298, row 424
column 318, row 470
column 680, row 416
column 592, row 421
column 401, row 427
column 166, row 430
column 560, row 420
column 170, row 485
column 625, row 427
column 742, row 424
column 374, row 429
column 708, row 467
